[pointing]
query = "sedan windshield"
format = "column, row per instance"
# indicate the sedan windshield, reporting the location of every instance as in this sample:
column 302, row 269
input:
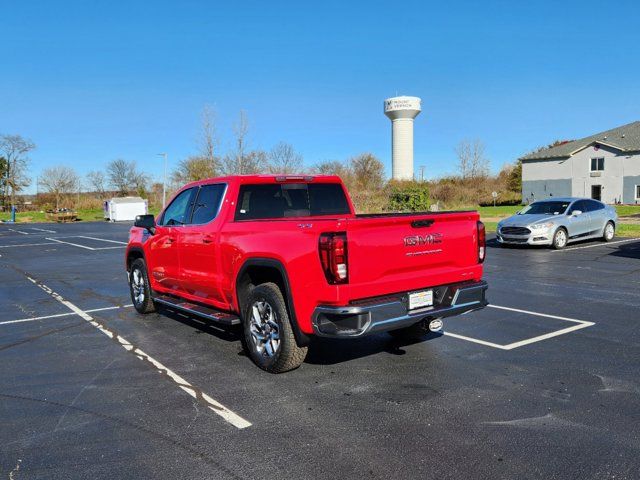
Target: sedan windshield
column 545, row 208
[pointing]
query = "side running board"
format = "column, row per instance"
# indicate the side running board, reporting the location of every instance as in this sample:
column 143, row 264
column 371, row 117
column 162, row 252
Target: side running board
column 200, row 310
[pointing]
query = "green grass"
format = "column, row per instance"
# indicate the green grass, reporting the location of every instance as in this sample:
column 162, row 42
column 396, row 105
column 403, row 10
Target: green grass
column 84, row 215
column 626, row 210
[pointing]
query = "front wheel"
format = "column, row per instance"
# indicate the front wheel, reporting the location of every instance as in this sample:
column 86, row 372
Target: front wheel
column 609, row 232
column 139, row 287
column 268, row 336
column 560, row 239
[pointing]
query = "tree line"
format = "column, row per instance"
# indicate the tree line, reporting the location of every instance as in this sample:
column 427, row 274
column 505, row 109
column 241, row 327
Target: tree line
column 363, row 174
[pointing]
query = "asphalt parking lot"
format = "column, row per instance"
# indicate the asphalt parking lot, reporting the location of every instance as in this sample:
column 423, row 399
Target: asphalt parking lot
column 544, row 383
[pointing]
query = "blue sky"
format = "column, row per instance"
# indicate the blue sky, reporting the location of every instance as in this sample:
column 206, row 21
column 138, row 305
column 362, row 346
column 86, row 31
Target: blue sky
column 92, row 81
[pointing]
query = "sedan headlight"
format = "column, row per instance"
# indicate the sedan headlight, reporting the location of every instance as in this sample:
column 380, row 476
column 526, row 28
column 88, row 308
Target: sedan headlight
column 541, row 226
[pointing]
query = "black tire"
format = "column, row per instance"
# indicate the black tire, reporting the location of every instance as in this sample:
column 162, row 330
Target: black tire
column 609, row 232
column 560, row 238
column 417, row 331
column 139, row 287
column 274, row 356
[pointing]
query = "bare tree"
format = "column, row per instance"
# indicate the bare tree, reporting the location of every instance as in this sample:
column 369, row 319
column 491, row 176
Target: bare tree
column 284, row 159
column 234, row 162
column 59, row 181
column 368, row 172
column 125, row 177
column 14, row 148
column 97, row 181
column 472, row 162
column 209, row 140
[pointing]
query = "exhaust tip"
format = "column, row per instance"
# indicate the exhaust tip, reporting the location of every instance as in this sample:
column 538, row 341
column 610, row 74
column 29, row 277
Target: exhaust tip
column 436, row 325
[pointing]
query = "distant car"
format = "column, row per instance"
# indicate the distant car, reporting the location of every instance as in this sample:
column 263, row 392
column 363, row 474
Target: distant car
column 558, row 221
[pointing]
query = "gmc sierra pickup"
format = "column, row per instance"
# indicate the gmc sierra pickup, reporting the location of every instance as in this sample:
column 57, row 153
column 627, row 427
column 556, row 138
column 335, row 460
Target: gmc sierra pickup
column 286, row 257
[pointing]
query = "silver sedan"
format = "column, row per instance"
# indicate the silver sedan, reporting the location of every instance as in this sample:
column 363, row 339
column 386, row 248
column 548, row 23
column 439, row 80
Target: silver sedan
column 558, row 221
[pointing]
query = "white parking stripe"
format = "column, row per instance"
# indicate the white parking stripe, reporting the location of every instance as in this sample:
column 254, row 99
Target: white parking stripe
column 568, row 249
column 216, row 407
column 537, row 314
column 19, row 231
column 103, row 240
column 528, row 341
column 43, row 230
column 46, row 317
column 69, row 243
column 27, row 245
column 476, row 340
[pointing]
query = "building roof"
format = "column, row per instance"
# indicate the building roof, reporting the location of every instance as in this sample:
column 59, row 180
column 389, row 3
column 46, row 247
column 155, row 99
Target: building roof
column 127, row 200
column 625, row 138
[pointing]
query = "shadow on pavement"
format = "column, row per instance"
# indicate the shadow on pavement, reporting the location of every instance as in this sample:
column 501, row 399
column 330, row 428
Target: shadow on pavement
column 627, row 250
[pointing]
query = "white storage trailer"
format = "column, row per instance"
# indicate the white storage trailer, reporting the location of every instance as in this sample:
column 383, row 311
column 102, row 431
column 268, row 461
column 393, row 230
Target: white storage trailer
column 120, row 209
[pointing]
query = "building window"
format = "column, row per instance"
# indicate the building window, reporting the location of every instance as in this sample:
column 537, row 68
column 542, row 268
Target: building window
column 597, row 164
column 637, row 192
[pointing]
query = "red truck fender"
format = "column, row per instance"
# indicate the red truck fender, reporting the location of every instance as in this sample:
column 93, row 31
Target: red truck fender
column 254, row 271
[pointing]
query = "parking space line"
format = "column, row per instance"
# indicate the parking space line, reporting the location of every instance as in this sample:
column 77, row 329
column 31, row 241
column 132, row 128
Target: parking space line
column 58, row 315
column 103, row 240
column 476, row 340
column 19, row 231
column 546, row 336
column 568, row 249
column 216, row 407
column 27, row 244
column 528, row 341
column 69, row 243
column 43, row 230
column 537, row 314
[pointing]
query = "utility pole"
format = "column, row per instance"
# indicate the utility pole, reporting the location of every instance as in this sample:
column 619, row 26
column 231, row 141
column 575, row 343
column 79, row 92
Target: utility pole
column 422, row 173
column 164, row 181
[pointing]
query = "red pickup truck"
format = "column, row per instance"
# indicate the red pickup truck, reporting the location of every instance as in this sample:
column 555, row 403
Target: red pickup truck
column 286, row 257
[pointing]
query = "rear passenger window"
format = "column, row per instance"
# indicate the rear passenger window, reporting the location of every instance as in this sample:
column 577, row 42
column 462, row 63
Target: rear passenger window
column 291, row 200
column 208, row 203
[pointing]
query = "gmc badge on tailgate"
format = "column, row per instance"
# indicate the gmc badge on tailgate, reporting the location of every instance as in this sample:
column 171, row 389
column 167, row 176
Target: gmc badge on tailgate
column 428, row 239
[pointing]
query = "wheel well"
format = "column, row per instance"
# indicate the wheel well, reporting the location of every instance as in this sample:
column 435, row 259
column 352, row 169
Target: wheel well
column 253, row 276
column 133, row 255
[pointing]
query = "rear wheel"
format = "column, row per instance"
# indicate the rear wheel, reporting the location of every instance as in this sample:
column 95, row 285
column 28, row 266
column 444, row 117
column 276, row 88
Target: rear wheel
column 139, row 287
column 268, row 337
column 560, row 239
column 609, row 232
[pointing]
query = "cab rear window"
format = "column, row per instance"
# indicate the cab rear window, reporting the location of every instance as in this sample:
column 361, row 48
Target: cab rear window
column 290, row 200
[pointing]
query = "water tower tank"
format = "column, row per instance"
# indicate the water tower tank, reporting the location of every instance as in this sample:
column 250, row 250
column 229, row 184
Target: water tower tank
column 402, row 110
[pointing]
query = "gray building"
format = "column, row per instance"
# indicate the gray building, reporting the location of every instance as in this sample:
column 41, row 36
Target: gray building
column 604, row 166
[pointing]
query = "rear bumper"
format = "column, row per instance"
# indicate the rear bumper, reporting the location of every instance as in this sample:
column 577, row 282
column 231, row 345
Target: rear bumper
column 391, row 312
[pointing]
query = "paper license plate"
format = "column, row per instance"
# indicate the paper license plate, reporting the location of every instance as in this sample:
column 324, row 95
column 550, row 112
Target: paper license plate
column 420, row 299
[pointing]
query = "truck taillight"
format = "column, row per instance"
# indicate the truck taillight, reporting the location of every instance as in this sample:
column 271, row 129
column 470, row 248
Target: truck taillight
column 482, row 242
column 333, row 257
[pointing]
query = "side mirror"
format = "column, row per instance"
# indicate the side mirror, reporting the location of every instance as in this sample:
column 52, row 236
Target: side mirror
column 575, row 213
column 147, row 222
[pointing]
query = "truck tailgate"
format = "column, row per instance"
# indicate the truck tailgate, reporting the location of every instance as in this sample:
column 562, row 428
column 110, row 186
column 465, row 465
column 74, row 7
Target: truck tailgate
column 398, row 253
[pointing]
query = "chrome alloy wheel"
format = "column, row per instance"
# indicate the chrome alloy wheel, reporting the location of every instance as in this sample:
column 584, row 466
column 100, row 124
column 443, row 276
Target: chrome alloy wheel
column 264, row 329
column 561, row 238
column 137, row 285
column 609, row 231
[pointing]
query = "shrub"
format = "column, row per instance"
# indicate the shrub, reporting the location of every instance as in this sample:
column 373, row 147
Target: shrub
column 408, row 196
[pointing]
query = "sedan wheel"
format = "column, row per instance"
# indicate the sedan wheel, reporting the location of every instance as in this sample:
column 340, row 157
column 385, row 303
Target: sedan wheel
column 560, row 239
column 609, row 232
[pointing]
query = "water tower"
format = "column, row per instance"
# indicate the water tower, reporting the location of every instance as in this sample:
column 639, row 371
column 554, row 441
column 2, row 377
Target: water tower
column 402, row 110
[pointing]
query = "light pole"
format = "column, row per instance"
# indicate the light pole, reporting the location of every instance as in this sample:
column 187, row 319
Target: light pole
column 164, row 181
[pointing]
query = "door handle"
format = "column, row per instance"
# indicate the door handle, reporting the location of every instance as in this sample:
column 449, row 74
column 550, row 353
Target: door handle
column 169, row 240
column 207, row 239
